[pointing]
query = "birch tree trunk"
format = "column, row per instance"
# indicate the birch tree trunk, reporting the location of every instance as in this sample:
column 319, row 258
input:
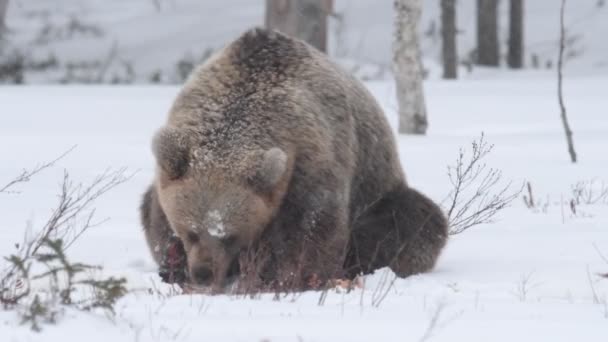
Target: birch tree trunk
column 488, row 49
column 3, row 10
column 407, row 67
column 515, row 58
column 448, row 39
column 303, row 19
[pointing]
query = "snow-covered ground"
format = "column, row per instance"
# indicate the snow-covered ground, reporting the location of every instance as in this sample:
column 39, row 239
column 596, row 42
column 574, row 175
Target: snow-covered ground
column 531, row 276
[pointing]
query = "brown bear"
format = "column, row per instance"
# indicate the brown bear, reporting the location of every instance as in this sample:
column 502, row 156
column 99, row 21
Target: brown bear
column 278, row 166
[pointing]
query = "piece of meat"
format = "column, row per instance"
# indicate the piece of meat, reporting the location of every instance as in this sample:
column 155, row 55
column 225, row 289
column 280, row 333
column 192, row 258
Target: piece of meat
column 173, row 267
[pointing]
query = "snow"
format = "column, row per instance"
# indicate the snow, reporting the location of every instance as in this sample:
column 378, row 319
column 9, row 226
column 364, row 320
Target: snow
column 530, row 276
column 152, row 40
column 216, row 224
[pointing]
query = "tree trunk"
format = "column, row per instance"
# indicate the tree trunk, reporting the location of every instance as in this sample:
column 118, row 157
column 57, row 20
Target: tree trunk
column 3, row 10
column 448, row 39
column 488, row 50
column 303, row 19
column 407, row 68
column 516, row 34
column 560, row 86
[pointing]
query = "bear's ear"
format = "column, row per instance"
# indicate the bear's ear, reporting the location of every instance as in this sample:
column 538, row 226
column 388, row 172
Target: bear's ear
column 171, row 148
column 270, row 170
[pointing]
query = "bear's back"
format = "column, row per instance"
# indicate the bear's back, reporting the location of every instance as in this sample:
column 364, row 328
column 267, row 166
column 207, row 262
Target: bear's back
column 268, row 90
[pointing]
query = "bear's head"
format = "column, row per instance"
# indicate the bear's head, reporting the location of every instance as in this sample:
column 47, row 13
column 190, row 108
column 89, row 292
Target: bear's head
column 217, row 210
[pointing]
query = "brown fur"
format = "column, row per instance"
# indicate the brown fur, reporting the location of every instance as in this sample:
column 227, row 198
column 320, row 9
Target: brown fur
column 290, row 155
column 156, row 226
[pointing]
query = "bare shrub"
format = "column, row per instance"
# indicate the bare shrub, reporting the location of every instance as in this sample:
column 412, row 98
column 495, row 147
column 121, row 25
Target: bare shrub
column 12, row 67
column 16, row 63
column 26, row 175
column 594, row 294
column 603, row 257
column 524, row 286
column 582, row 194
column 529, row 197
column 63, row 278
column 72, row 28
column 478, row 192
column 433, row 322
column 41, row 258
column 534, row 203
column 386, row 284
column 250, row 264
column 589, row 192
column 155, row 77
column 111, row 69
column 185, row 65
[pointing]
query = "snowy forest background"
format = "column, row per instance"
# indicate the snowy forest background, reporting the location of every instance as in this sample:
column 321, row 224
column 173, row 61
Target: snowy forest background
column 158, row 41
column 84, row 84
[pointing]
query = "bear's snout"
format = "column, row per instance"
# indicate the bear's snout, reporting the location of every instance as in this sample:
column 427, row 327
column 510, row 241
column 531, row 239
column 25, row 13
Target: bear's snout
column 209, row 264
column 202, row 275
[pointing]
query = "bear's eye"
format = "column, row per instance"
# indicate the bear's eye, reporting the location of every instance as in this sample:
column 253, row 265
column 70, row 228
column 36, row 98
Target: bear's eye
column 192, row 237
column 229, row 241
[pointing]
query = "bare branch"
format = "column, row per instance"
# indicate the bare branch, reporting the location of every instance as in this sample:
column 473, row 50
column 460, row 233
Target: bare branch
column 69, row 220
column 26, row 175
column 604, row 275
column 595, row 296
column 589, row 192
column 600, row 253
column 433, row 323
column 74, row 201
column 477, row 194
column 387, row 282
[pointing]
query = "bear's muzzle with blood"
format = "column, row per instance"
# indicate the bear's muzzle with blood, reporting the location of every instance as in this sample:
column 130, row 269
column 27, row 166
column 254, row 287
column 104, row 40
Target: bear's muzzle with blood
column 216, row 216
column 212, row 252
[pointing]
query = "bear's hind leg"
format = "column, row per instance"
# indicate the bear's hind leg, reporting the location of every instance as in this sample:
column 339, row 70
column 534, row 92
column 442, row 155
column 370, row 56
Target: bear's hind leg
column 155, row 223
column 404, row 230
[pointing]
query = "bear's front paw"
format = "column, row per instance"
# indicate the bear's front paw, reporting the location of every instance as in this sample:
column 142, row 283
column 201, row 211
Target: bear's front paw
column 173, row 267
column 314, row 282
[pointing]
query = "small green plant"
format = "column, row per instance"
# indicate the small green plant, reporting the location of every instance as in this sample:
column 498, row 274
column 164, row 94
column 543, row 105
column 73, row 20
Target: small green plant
column 38, row 312
column 39, row 281
column 63, row 276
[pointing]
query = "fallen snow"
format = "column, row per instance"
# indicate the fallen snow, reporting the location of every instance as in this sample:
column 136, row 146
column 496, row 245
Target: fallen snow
column 531, row 276
column 215, row 224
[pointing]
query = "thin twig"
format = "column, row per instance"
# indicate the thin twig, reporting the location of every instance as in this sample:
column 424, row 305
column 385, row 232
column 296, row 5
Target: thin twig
column 600, row 253
column 476, row 196
column 74, row 203
column 433, row 323
column 26, row 175
column 595, row 297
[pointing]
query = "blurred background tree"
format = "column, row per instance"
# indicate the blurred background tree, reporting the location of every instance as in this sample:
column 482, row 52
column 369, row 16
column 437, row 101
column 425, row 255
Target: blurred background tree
column 515, row 58
column 3, row 10
column 449, row 53
column 488, row 47
column 304, row 19
column 407, row 67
